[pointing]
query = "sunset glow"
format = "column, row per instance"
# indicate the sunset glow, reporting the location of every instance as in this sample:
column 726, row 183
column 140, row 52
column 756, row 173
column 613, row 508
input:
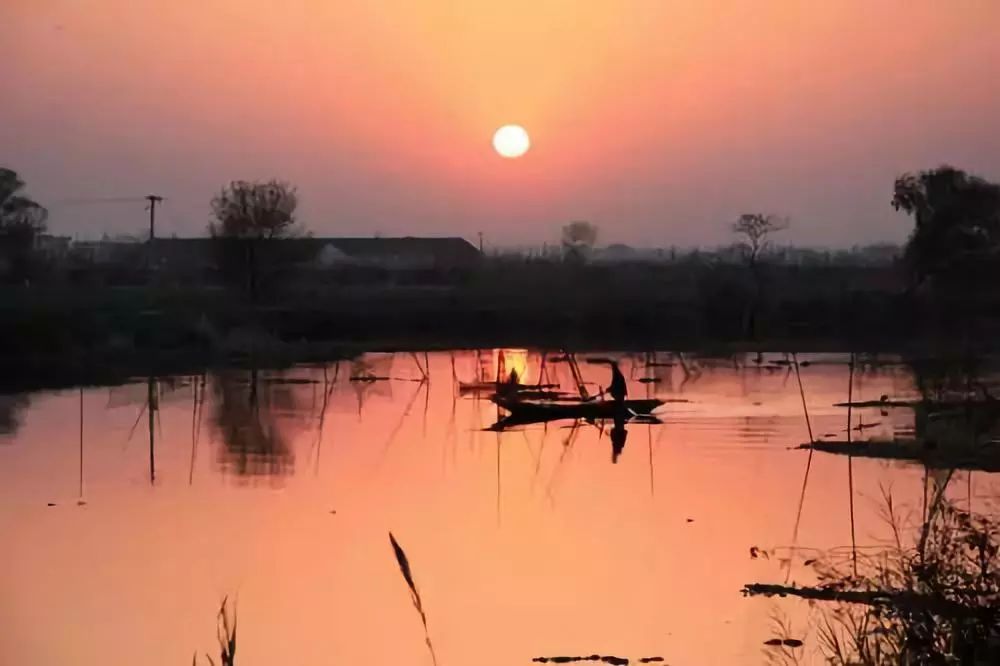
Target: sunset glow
column 474, row 332
column 661, row 119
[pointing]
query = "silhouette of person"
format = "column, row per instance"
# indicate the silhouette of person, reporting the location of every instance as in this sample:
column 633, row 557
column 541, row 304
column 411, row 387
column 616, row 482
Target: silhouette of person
column 509, row 388
column 618, row 390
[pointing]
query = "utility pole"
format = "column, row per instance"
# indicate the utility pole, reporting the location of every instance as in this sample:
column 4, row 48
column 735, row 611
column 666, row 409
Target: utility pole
column 152, row 406
column 480, row 242
column 153, row 200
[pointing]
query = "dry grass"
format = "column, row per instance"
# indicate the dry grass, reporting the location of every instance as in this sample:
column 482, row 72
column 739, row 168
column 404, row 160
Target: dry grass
column 404, row 568
column 930, row 595
column 226, row 635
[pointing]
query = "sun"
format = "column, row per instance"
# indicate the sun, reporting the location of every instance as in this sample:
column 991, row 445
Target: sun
column 511, row 141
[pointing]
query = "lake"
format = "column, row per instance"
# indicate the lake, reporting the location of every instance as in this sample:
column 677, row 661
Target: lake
column 130, row 512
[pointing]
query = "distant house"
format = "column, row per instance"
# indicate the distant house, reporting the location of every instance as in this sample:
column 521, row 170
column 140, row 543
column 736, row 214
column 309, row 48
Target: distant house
column 614, row 253
column 52, row 247
column 406, row 253
column 186, row 255
column 107, row 251
column 618, row 253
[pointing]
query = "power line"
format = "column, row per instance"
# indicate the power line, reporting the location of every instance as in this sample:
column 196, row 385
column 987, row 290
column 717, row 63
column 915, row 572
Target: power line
column 88, row 201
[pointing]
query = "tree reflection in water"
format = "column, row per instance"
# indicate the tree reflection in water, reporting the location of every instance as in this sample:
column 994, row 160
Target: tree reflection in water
column 11, row 408
column 256, row 421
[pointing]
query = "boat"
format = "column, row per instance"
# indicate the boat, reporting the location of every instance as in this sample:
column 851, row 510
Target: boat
column 533, row 410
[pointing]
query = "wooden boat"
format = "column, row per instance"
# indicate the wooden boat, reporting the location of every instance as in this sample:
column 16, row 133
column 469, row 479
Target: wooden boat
column 525, row 410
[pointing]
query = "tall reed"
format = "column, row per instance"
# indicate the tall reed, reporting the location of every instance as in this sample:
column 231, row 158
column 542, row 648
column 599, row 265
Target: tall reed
column 404, row 568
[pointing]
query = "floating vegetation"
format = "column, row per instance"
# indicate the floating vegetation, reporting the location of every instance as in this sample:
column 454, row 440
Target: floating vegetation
column 980, row 457
column 607, row 659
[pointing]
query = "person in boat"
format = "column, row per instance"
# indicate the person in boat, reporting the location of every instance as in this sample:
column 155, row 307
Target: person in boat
column 618, row 390
column 509, row 388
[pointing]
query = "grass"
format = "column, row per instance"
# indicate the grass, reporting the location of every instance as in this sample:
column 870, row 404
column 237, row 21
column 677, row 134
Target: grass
column 226, row 621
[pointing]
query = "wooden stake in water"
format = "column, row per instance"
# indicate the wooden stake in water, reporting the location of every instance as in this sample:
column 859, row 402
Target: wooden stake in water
column 850, row 464
column 805, row 478
column 151, row 412
column 81, row 445
column 802, row 393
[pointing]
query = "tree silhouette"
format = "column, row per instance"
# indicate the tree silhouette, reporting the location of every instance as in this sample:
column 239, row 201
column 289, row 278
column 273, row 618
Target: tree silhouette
column 956, row 221
column 21, row 221
column 755, row 229
column 578, row 239
column 247, row 215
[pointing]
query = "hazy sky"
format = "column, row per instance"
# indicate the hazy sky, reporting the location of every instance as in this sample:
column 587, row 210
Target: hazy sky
column 658, row 120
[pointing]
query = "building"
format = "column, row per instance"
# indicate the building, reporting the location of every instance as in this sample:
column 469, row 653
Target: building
column 108, row 251
column 407, row 253
column 53, row 248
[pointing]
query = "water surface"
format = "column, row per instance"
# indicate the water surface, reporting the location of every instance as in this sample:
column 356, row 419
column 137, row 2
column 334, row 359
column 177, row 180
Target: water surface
column 122, row 533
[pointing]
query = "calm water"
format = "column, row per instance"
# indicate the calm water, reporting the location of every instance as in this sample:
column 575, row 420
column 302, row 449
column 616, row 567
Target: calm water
column 279, row 490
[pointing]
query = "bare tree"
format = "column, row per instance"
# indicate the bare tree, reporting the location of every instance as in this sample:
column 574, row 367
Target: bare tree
column 255, row 210
column 246, row 215
column 755, row 229
column 578, row 238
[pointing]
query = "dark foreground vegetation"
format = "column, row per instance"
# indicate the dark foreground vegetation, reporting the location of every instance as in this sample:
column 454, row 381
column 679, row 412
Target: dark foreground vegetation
column 505, row 302
column 927, row 590
column 688, row 302
column 260, row 291
column 929, row 597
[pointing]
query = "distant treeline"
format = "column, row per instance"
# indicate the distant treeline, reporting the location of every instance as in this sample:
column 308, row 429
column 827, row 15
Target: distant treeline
column 259, row 284
column 118, row 262
column 875, row 254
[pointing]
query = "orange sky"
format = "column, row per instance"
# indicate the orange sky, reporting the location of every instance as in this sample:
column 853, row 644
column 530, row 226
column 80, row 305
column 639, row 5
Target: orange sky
column 659, row 121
